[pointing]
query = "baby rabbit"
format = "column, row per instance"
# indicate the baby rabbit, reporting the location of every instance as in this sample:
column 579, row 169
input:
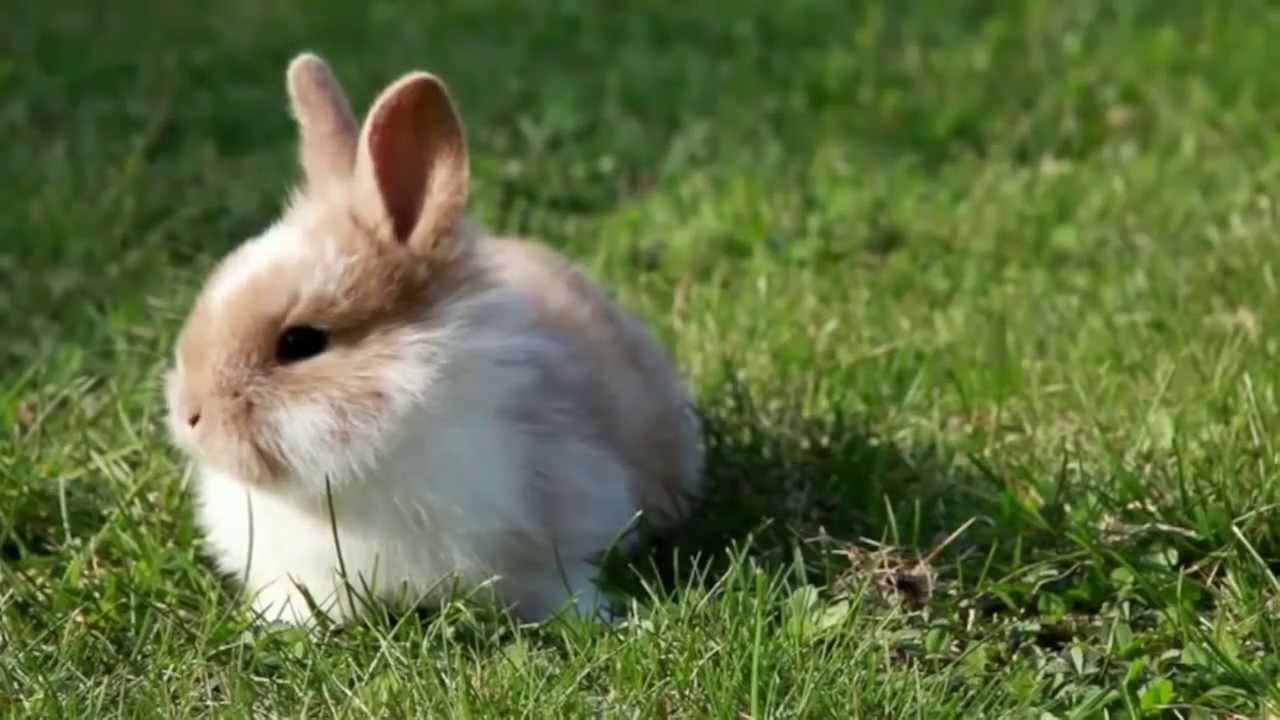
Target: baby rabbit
column 377, row 375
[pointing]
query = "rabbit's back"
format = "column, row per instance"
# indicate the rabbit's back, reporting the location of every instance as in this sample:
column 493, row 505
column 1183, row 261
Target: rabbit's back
column 619, row 381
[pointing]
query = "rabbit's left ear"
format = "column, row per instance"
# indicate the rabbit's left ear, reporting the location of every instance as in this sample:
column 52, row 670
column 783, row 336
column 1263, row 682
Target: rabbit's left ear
column 327, row 146
column 411, row 164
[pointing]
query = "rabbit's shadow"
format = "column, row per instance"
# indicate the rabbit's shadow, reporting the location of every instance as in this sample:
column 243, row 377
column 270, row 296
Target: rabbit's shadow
column 812, row 487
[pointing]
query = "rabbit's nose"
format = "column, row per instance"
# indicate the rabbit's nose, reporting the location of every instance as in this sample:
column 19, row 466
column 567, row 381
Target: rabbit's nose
column 194, row 418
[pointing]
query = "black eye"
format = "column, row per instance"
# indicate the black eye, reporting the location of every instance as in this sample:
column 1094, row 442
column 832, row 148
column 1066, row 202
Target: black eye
column 299, row 343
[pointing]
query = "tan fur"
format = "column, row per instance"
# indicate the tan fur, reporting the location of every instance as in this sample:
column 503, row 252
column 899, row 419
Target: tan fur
column 326, row 126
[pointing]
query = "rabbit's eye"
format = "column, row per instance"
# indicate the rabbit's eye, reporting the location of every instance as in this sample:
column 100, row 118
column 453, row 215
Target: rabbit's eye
column 299, row 343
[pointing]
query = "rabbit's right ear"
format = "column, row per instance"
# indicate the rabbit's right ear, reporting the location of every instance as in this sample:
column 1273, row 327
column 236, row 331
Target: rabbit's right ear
column 327, row 127
column 411, row 166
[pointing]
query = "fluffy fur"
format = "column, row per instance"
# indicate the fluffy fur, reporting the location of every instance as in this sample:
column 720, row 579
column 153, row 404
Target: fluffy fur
column 482, row 412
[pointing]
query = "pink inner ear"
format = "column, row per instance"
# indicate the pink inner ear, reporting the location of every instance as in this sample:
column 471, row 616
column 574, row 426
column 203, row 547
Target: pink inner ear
column 399, row 149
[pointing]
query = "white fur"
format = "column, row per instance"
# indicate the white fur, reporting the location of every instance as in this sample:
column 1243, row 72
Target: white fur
column 280, row 244
column 443, row 501
column 284, row 243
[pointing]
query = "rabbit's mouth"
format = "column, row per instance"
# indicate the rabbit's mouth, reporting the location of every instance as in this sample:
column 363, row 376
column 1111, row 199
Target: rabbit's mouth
column 245, row 458
column 228, row 442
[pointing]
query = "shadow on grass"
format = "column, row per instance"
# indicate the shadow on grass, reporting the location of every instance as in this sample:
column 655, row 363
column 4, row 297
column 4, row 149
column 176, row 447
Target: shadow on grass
column 819, row 497
column 809, row 492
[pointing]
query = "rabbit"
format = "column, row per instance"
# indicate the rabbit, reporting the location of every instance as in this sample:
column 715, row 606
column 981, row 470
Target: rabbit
column 377, row 393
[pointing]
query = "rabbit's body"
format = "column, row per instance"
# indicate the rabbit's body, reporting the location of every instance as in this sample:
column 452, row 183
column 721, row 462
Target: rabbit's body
column 453, row 406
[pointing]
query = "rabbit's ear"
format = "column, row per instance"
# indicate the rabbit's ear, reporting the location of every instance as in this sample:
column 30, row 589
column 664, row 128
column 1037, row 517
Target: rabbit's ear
column 328, row 129
column 411, row 164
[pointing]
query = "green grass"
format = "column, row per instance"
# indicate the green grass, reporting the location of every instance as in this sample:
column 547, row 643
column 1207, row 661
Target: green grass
column 979, row 299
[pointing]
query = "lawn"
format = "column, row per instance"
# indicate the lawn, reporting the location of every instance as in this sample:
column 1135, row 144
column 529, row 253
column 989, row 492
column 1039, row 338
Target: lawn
column 979, row 300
